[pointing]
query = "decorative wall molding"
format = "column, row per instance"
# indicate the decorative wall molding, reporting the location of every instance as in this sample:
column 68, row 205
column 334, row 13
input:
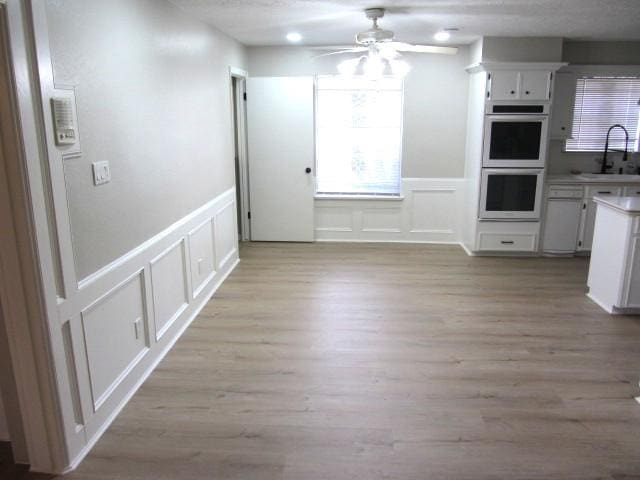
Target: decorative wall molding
column 430, row 212
column 72, row 385
column 142, row 302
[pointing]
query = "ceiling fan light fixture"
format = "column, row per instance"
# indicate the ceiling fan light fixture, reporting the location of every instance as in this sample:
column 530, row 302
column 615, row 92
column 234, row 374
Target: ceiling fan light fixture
column 399, row 68
column 374, row 67
column 442, row 36
column 348, row 68
column 294, row 37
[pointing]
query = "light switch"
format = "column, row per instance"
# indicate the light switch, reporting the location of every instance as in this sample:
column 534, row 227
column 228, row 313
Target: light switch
column 101, row 173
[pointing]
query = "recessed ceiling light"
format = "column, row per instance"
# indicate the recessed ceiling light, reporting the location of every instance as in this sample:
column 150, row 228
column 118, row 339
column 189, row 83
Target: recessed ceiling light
column 294, row 37
column 442, row 36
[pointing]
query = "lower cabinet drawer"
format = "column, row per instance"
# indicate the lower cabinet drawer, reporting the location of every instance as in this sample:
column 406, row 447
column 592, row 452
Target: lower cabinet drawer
column 632, row 191
column 507, row 242
column 597, row 190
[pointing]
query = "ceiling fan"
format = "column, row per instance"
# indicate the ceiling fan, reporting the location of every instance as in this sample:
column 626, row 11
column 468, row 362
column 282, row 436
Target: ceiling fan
column 382, row 51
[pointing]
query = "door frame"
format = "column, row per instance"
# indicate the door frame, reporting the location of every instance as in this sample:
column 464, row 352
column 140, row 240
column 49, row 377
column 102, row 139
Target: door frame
column 239, row 129
column 27, row 289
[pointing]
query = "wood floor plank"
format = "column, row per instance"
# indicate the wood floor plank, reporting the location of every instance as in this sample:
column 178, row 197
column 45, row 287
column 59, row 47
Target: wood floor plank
column 383, row 361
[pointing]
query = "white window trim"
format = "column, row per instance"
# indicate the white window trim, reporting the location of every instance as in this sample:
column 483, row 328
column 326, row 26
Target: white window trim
column 342, row 196
column 591, row 71
column 355, row 196
column 583, row 70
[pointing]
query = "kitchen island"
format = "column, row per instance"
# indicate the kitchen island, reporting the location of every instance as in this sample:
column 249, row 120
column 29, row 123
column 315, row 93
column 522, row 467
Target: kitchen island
column 614, row 271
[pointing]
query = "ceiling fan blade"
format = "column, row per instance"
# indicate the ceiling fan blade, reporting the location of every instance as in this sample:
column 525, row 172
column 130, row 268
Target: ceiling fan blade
column 407, row 47
column 351, row 50
column 332, row 47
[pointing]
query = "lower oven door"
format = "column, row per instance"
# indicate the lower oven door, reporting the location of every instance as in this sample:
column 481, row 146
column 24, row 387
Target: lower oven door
column 514, row 194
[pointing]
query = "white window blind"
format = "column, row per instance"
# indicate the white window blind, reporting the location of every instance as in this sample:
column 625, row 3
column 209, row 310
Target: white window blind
column 600, row 103
column 358, row 136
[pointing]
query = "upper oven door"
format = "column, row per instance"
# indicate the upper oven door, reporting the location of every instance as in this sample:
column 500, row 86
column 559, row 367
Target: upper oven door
column 511, row 193
column 515, row 141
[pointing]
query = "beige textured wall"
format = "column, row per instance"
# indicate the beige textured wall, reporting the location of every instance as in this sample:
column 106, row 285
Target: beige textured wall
column 602, row 53
column 435, row 103
column 153, row 99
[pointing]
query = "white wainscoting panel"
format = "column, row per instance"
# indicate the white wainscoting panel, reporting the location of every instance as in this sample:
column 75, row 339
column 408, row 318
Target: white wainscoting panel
column 123, row 319
column 170, row 285
column 382, row 220
column 115, row 333
column 429, row 210
column 226, row 230
column 330, row 217
column 203, row 255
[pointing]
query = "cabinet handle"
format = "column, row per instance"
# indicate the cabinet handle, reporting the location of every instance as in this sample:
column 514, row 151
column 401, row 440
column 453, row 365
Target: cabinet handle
column 507, row 242
column 563, row 128
column 606, row 192
column 513, row 92
column 527, row 92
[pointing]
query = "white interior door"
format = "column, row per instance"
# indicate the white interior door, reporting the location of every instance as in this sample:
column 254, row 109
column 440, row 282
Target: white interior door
column 281, row 158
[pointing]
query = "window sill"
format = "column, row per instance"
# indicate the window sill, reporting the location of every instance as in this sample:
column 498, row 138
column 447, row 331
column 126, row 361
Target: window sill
column 385, row 198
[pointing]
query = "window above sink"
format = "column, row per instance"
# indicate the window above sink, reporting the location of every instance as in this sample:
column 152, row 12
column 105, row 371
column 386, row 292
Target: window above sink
column 600, row 102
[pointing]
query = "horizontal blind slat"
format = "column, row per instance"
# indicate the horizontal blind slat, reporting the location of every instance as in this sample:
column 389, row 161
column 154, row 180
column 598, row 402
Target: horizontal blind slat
column 358, row 136
column 600, row 103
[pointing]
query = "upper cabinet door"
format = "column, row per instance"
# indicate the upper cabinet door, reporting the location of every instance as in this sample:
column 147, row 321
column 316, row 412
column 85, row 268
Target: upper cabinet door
column 564, row 97
column 505, row 85
column 535, row 85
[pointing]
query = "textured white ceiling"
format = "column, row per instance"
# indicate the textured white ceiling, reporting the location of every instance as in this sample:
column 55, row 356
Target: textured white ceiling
column 324, row 22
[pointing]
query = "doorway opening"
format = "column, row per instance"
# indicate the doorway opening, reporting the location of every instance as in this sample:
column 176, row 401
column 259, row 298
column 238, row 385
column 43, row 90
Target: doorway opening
column 239, row 118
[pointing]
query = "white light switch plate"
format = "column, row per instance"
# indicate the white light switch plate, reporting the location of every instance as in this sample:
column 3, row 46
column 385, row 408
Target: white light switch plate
column 101, row 173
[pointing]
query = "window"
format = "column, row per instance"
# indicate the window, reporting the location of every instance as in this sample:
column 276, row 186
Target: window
column 600, row 103
column 358, row 136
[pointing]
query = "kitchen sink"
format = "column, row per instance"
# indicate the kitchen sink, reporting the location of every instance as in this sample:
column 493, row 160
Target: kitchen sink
column 609, row 176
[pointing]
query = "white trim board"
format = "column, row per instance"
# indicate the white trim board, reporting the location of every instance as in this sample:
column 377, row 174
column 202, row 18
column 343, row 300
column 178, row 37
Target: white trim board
column 428, row 212
column 109, row 297
column 203, row 300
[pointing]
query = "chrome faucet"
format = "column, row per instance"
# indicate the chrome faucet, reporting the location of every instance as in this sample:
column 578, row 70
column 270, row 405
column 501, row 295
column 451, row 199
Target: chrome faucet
column 605, row 165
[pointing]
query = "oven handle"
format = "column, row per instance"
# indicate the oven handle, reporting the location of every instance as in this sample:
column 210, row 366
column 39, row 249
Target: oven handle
column 513, row 171
column 507, row 117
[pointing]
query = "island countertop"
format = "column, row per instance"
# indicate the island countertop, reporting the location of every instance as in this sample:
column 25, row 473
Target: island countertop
column 630, row 205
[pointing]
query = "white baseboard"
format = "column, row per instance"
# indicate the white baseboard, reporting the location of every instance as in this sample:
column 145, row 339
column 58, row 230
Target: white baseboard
column 208, row 292
column 143, row 302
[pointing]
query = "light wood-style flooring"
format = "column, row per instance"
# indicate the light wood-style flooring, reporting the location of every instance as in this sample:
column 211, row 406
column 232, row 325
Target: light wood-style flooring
column 370, row 361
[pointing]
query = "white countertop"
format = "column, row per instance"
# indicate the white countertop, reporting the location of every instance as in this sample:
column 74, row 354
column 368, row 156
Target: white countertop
column 577, row 179
column 630, row 205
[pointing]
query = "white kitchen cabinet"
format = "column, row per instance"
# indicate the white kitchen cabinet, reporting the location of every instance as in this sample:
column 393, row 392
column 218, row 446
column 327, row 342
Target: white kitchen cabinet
column 588, row 220
column 614, row 270
column 632, row 294
column 587, row 224
column 505, row 85
column 519, row 237
column 520, row 85
column 564, row 94
column 562, row 222
column 535, row 85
